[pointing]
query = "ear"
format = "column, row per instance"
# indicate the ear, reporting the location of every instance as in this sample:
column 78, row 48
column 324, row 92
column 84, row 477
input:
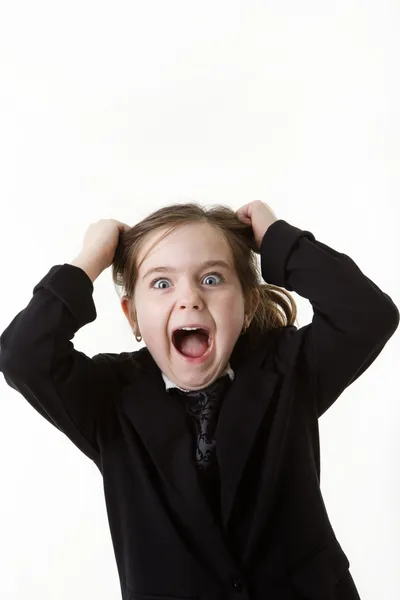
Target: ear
column 129, row 311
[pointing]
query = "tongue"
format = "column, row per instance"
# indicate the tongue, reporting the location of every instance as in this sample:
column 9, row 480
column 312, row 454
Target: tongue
column 193, row 345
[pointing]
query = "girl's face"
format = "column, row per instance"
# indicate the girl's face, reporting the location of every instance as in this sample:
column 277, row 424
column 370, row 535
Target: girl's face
column 175, row 288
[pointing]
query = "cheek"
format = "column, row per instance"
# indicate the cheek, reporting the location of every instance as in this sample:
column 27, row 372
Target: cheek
column 153, row 331
column 155, row 342
column 152, row 316
column 234, row 306
column 231, row 314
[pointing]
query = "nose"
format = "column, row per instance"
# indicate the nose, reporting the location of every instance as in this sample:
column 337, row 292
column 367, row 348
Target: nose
column 190, row 298
column 188, row 305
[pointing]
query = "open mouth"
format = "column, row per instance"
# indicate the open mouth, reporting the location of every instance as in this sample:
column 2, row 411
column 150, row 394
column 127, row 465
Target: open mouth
column 192, row 342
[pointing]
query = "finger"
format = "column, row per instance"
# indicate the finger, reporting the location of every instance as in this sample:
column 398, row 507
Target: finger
column 243, row 214
column 241, row 211
column 124, row 226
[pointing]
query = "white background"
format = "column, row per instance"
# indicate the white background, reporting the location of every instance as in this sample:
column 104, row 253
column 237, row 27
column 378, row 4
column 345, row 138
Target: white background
column 113, row 109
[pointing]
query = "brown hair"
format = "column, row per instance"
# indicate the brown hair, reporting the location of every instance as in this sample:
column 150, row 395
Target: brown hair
column 276, row 307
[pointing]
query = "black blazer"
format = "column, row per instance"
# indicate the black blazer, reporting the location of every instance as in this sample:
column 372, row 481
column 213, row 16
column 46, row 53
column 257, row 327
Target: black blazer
column 275, row 540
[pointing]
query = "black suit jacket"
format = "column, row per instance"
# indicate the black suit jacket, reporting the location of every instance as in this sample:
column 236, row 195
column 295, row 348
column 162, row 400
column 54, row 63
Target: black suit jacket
column 275, row 539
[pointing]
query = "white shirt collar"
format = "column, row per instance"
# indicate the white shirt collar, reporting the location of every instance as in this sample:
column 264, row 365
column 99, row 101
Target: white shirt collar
column 170, row 384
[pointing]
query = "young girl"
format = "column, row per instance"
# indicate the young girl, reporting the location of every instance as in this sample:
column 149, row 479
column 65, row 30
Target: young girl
column 207, row 437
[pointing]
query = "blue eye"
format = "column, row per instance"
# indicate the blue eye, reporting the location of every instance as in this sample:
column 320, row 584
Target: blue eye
column 163, row 280
column 214, row 275
column 156, row 281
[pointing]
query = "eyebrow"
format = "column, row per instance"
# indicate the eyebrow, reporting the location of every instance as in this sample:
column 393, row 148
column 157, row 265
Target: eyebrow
column 205, row 265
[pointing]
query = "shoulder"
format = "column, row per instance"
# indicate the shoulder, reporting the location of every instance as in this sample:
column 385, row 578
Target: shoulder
column 125, row 365
column 277, row 348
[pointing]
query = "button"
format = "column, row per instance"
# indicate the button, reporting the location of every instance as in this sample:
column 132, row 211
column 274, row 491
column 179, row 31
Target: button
column 237, row 584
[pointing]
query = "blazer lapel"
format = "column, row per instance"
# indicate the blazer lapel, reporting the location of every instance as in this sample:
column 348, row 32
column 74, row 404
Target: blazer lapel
column 241, row 415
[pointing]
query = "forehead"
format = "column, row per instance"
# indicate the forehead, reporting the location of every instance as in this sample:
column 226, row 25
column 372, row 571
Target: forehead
column 191, row 242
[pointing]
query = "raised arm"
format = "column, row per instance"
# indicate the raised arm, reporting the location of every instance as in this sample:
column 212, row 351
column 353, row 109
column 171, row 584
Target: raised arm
column 352, row 318
column 37, row 358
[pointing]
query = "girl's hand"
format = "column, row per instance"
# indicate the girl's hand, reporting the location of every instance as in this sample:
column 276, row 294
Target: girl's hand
column 101, row 241
column 259, row 215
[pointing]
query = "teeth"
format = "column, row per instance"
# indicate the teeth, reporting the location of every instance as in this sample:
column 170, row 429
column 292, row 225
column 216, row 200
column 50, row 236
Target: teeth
column 189, row 328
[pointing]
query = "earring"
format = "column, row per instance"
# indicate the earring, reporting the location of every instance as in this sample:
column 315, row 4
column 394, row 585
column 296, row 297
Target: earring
column 138, row 337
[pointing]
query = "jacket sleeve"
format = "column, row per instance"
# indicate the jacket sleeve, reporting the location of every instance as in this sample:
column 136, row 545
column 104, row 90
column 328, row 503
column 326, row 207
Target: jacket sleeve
column 352, row 318
column 37, row 358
